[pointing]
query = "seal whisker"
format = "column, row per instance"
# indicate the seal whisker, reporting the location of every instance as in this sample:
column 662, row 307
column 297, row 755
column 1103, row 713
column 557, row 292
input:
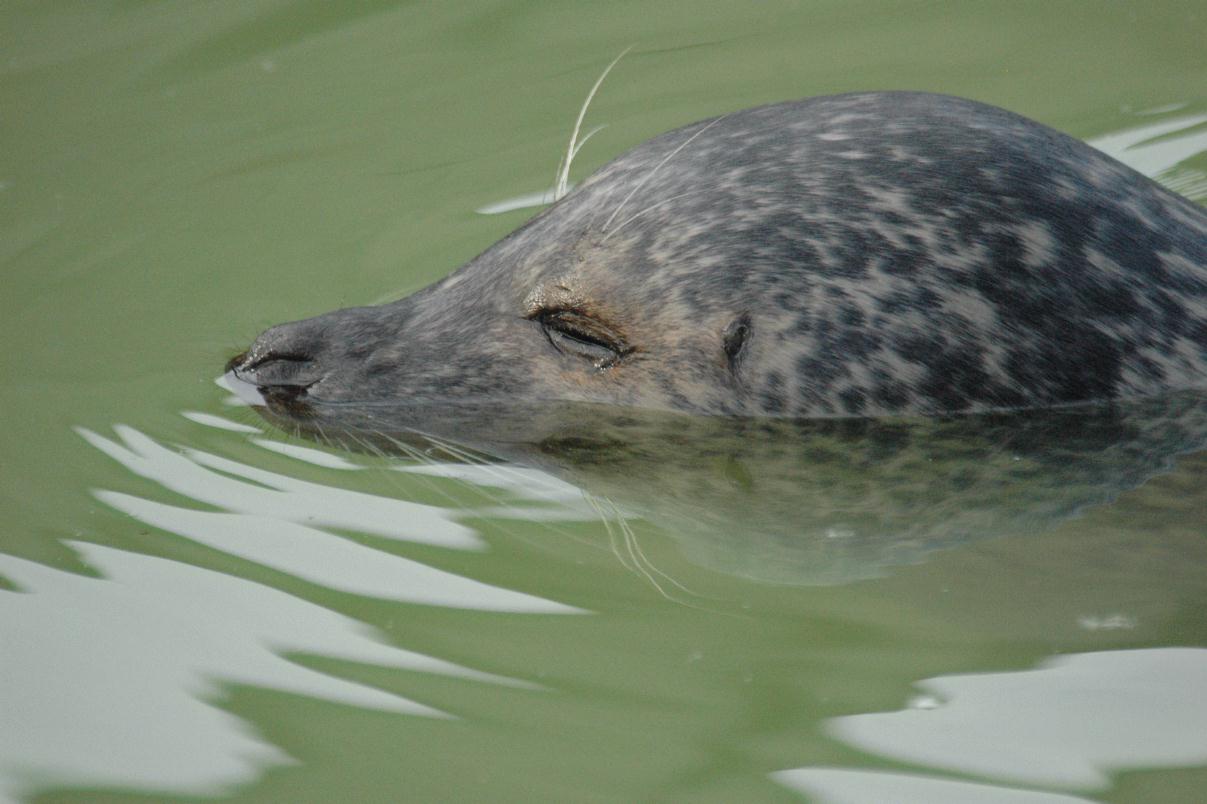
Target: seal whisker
column 629, row 542
column 323, row 437
column 632, row 558
column 644, row 565
column 431, row 483
column 613, row 541
column 419, row 456
column 498, row 472
column 639, row 554
column 656, row 167
column 563, row 168
column 364, row 443
column 651, row 208
column 601, row 205
column 407, row 450
column 460, row 454
column 586, row 137
column 644, row 559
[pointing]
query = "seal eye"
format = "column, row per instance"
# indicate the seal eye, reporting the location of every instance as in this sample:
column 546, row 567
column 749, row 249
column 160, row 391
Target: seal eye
column 573, row 333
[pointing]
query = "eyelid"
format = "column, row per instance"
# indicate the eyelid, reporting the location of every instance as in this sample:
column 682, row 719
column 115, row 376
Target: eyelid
column 571, row 330
column 590, row 329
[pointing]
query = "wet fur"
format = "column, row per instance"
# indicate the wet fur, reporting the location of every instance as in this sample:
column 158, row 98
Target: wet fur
column 883, row 253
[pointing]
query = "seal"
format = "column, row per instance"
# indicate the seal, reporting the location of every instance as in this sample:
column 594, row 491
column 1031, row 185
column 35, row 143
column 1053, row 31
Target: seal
column 870, row 254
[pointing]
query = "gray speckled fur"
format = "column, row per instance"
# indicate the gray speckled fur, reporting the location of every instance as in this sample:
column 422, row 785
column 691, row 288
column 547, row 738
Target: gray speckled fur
column 894, row 253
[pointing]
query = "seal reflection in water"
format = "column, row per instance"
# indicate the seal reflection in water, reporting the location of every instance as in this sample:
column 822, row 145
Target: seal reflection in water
column 865, row 255
column 807, row 501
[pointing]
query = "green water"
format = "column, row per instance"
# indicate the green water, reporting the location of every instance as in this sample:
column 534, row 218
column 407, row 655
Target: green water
column 194, row 607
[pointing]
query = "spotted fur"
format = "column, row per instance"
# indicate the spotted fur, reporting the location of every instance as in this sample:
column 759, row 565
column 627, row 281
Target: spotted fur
column 880, row 253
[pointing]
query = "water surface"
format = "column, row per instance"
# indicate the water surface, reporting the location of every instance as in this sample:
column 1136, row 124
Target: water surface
column 193, row 605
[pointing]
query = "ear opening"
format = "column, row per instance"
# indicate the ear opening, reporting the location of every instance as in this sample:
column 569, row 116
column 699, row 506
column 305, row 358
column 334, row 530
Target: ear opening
column 734, row 339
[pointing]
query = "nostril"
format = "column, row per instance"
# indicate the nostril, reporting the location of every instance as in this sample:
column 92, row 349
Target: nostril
column 235, row 362
column 260, row 361
column 283, row 354
column 255, row 360
column 294, row 356
column 279, row 358
column 276, row 369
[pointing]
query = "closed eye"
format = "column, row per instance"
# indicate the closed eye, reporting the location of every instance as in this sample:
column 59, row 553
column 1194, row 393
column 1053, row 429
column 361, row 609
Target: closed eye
column 575, row 333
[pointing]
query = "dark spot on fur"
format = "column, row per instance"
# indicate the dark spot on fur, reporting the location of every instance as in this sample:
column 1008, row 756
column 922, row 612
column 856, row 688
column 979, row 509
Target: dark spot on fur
column 850, row 315
column 853, row 401
column 888, row 392
column 904, row 281
column 772, row 396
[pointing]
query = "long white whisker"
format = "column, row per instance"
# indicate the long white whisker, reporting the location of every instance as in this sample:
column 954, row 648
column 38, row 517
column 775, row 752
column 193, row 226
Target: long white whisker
column 365, row 444
column 613, row 542
column 563, row 171
column 454, row 450
column 650, row 175
column 650, row 208
column 600, row 205
column 648, row 567
column 629, row 542
column 498, row 472
column 323, row 437
column 588, row 136
column 406, row 449
column 499, row 501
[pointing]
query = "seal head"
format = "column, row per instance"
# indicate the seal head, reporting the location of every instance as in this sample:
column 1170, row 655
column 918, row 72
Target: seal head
column 856, row 255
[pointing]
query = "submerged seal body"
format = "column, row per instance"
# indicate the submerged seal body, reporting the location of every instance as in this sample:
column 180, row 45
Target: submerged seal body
column 856, row 255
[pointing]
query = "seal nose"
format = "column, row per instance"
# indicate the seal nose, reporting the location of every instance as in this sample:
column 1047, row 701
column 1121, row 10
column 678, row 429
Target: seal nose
column 284, row 355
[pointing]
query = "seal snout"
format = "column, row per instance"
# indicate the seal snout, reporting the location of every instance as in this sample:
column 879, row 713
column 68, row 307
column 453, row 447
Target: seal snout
column 282, row 357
